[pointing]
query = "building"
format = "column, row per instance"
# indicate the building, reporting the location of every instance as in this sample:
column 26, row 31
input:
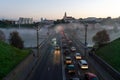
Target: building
column 68, row 18
column 46, row 21
column 25, row 20
column 91, row 19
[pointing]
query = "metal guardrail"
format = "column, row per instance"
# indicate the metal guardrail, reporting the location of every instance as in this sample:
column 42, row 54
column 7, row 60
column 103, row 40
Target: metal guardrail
column 109, row 68
column 115, row 74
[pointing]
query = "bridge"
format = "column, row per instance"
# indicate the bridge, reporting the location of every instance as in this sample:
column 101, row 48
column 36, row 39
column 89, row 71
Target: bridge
column 51, row 64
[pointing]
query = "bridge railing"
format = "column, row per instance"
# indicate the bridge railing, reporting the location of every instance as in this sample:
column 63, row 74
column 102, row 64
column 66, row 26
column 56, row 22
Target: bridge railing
column 109, row 68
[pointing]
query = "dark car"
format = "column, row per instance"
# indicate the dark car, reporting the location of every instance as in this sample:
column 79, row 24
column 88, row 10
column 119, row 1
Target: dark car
column 64, row 46
column 57, row 47
column 70, row 69
column 68, row 60
column 66, row 51
column 90, row 76
column 69, row 42
column 75, row 78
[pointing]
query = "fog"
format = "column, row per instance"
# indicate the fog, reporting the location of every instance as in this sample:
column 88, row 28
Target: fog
column 28, row 35
column 79, row 30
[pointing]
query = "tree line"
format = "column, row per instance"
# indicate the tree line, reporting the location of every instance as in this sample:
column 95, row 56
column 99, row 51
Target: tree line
column 14, row 39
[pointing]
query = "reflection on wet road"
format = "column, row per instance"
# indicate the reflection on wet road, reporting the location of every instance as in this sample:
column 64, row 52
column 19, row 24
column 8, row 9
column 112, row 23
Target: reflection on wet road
column 56, row 57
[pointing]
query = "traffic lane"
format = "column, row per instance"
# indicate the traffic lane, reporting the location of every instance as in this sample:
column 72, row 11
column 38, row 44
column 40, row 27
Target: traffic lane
column 53, row 69
column 49, row 67
column 56, row 66
column 41, row 67
column 95, row 67
column 80, row 72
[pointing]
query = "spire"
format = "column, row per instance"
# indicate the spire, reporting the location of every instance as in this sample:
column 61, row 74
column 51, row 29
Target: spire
column 65, row 15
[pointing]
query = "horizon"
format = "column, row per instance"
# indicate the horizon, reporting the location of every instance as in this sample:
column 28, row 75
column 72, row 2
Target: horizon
column 52, row 9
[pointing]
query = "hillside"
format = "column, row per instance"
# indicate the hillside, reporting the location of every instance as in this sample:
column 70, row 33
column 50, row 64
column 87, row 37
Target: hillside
column 111, row 54
column 9, row 58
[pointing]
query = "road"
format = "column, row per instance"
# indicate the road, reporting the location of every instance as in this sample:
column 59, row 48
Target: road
column 51, row 63
column 49, row 66
column 94, row 67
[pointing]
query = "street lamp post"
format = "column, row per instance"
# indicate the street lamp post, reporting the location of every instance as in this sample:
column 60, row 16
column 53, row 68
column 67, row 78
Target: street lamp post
column 37, row 28
column 86, row 25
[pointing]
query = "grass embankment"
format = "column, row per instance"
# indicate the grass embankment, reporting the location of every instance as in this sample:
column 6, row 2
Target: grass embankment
column 111, row 54
column 9, row 58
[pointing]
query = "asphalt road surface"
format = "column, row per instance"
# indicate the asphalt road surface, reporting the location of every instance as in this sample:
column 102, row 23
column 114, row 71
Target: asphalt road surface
column 49, row 66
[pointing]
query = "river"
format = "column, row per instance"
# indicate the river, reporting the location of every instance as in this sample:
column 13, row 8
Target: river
column 28, row 35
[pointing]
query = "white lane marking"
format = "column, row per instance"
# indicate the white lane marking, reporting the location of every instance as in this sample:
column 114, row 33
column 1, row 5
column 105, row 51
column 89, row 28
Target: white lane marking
column 78, row 73
column 48, row 68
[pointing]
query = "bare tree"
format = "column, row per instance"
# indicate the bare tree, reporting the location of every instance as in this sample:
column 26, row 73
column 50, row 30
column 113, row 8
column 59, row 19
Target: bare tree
column 2, row 35
column 15, row 40
column 101, row 37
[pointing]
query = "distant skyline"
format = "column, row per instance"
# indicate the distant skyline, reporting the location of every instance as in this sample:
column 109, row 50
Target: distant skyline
column 55, row 9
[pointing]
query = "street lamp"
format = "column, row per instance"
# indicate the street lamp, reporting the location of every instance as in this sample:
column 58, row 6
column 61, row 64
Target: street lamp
column 86, row 25
column 37, row 28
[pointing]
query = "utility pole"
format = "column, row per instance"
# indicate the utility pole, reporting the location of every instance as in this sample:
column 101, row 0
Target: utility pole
column 86, row 25
column 19, row 24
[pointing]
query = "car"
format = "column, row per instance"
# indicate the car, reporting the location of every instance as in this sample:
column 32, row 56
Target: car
column 68, row 60
column 63, row 40
column 66, row 51
column 73, row 49
column 69, row 42
column 70, row 69
column 78, row 56
column 75, row 78
column 57, row 47
column 90, row 76
column 83, row 64
column 64, row 46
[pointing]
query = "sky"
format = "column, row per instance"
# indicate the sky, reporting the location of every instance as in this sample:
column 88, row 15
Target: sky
column 55, row 9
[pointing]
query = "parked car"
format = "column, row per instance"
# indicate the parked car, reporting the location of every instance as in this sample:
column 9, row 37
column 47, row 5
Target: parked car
column 90, row 76
column 83, row 64
column 70, row 69
column 78, row 56
column 68, row 60
column 73, row 49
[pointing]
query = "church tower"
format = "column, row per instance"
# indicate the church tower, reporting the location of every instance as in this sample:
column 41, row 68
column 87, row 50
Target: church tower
column 65, row 15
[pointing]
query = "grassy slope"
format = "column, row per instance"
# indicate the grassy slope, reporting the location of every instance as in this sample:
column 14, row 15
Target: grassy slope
column 9, row 58
column 111, row 54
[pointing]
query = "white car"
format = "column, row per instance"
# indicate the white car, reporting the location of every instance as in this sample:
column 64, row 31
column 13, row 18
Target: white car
column 78, row 56
column 73, row 49
column 83, row 64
